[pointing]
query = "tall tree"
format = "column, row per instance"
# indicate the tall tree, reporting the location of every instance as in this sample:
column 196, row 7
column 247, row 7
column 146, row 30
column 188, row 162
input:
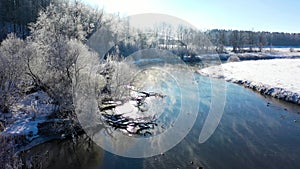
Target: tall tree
column 251, row 40
column 235, row 40
column 221, row 41
column 56, row 45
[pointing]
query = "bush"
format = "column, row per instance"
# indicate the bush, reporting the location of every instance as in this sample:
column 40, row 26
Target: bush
column 12, row 71
column 57, row 74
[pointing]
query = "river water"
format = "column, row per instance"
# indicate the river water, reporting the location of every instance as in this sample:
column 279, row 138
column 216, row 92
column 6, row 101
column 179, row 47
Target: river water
column 254, row 132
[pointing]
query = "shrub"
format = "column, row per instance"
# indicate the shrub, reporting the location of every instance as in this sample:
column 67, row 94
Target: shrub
column 12, row 71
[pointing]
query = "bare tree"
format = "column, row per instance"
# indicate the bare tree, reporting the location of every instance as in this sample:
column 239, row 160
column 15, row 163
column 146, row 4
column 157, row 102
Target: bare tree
column 221, row 42
column 251, row 39
column 235, row 37
column 262, row 41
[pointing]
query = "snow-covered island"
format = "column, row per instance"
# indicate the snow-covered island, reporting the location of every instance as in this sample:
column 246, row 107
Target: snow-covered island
column 278, row 78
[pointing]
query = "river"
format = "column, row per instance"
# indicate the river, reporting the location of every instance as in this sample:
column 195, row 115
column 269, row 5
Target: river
column 254, row 132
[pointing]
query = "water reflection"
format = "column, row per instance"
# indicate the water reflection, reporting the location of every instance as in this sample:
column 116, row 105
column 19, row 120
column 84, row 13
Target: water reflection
column 254, row 132
column 64, row 154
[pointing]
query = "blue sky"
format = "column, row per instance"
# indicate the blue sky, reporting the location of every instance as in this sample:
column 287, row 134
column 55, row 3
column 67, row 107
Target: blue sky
column 257, row 15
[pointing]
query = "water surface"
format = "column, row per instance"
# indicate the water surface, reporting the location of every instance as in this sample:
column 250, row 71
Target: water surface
column 254, row 132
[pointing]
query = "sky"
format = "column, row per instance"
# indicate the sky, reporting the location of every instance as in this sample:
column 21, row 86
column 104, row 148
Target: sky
column 256, row 15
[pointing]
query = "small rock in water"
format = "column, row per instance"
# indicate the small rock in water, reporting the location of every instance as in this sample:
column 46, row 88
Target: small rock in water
column 162, row 154
column 192, row 162
column 285, row 109
column 295, row 121
column 199, row 167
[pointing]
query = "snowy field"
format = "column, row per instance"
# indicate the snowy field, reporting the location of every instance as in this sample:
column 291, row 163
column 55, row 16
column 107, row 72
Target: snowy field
column 278, row 77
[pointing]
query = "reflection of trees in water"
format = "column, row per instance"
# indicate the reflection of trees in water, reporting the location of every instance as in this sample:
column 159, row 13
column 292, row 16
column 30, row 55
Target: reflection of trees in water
column 7, row 157
column 131, row 126
column 78, row 154
column 128, row 122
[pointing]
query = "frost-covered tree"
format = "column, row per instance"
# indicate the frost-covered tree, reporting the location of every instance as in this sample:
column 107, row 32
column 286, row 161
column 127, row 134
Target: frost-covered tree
column 118, row 76
column 221, row 42
column 262, row 41
column 12, row 70
column 57, row 74
column 68, row 20
column 112, row 37
column 56, row 44
column 234, row 39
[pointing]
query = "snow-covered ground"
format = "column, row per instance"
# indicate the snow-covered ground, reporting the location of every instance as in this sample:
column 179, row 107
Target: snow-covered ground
column 24, row 118
column 278, row 77
column 266, row 53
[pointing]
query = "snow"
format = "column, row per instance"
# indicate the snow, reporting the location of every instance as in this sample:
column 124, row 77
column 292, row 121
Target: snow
column 278, row 77
column 275, row 53
column 24, row 127
column 265, row 54
column 127, row 108
column 130, row 109
column 23, row 120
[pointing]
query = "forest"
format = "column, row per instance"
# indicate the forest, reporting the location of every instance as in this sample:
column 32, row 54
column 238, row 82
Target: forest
column 239, row 39
column 15, row 15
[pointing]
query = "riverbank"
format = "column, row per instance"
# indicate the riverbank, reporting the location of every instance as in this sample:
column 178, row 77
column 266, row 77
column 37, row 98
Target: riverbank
column 26, row 126
column 277, row 78
column 266, row 54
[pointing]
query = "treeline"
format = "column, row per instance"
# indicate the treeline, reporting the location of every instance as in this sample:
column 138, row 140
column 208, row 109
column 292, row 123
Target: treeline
column 182, row 40
column 15, row 15
column 248, row 40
